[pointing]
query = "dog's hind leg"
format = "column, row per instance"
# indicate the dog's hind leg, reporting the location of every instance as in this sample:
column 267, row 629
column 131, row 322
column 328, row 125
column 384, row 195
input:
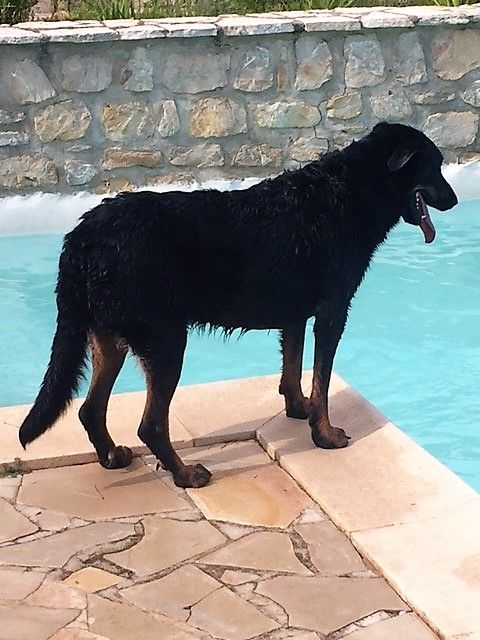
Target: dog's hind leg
column 162, row 362
column 107, row 360
column 292, row 340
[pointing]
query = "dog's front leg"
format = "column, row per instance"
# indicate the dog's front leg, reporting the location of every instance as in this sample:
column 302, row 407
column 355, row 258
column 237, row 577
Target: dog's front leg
column 292, row 340
column 329, row 325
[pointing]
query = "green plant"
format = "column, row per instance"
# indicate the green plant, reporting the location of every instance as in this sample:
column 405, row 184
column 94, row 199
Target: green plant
column 114, row 9
column 12, row 11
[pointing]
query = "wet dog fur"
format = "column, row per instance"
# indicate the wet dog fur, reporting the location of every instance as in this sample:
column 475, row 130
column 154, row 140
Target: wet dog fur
column 141, row 269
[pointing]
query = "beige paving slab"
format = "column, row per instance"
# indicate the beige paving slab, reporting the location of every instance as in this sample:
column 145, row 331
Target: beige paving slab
column 327, row 604
column 174, row 593
column 262, row 550
column 12, row 523
column 381, row 478
column 18, row 622
column 54, row 551
column 227, row 616
column 9, row 487
column 125, row 622
column 73, row 633
column 57, row 595
column 91, row 492
column 435, row 565
column 330, row 551
column 405, row 627
column 229, row 410
column 67, row 443
column 226, row 456
column 245, row 497
column 238, row 577
column 91, row 579
column 17, row 585
column 167, row 542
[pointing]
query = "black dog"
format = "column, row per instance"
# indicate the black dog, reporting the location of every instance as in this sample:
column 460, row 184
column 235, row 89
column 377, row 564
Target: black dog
column 141, row 268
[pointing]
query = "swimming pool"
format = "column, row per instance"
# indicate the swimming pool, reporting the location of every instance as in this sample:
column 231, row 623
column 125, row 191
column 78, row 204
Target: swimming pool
column 412, row 343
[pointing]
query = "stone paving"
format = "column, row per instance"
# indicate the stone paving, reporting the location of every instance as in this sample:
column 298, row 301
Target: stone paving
column 90, row 554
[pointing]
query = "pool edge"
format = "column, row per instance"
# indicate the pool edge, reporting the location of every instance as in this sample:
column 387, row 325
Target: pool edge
column 400, row 506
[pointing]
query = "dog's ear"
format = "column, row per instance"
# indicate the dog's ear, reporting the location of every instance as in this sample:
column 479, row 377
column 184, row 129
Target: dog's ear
column 402, row 154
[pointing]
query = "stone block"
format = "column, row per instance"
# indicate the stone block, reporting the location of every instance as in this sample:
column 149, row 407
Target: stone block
column 29, row 83
column 308, row 149
column 78, row 173
column 345, row 106
column 472, row 94
column 66, row 120
column 196, row 72
column 364, row 63
column 216, row 117
column 452, row 129
column 257, row 155
column 86, row 74
column 138, row 74
column 391, row 105
column 255, row 71
column 200, row 156
column 13, row 138
column 115, row 157
column 127, row 121
column 168, row 121
column 10, row 117
column 286, row 115
column 407, row 52
column 456, row 52
column 27, row 171
column 314, row 63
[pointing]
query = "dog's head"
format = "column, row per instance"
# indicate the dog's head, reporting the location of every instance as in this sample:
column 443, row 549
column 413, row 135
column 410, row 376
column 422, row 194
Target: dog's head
column 413, row 164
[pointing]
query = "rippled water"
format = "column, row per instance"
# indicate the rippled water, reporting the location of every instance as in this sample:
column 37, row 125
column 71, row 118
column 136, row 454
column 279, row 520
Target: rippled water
column 412, row 343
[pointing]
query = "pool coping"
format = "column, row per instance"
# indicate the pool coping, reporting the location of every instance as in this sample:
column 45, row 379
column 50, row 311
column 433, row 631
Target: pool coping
column 400, row 507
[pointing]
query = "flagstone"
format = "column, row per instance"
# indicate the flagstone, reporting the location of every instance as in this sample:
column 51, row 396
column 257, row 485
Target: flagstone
column 167, row 542
column 330, row 551
column 407, row 626
column 91, row 579
column 73, row 633
column 327, row 604
column 263, row 550
column 124, row 622
column 89, row 491
column 245, row 497
column 206, row 409
column 9, row 487
column 17, row 585
column 174, row 593
column 55, row 550
column 57, row 595
column 225, row 456
column 238, row 577
column 18, row 622
column 225, row 615
column 12, row 523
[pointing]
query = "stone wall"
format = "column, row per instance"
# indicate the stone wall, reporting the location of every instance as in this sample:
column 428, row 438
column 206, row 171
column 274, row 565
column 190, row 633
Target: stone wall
column 98, row 106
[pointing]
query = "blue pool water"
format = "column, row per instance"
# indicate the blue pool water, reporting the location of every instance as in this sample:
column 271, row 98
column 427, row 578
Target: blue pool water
column 412, row 343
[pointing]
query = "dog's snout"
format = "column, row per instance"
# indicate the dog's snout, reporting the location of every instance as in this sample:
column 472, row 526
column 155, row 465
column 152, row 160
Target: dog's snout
column 448, row 199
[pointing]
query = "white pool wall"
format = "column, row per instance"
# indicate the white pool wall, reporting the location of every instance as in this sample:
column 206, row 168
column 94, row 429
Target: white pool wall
column 52, row 213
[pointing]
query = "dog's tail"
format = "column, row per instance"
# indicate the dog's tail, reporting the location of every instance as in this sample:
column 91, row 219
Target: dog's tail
column 61, row 379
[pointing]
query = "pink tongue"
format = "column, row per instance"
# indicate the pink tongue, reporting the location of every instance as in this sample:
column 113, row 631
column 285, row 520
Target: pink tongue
column 427, row 227
column 426, row 223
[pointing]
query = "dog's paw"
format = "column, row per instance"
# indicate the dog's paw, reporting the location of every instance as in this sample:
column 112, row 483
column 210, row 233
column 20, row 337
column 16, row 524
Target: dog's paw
column 192, row 476
column 335, row 438
column 299, row 409
column 117, row 458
